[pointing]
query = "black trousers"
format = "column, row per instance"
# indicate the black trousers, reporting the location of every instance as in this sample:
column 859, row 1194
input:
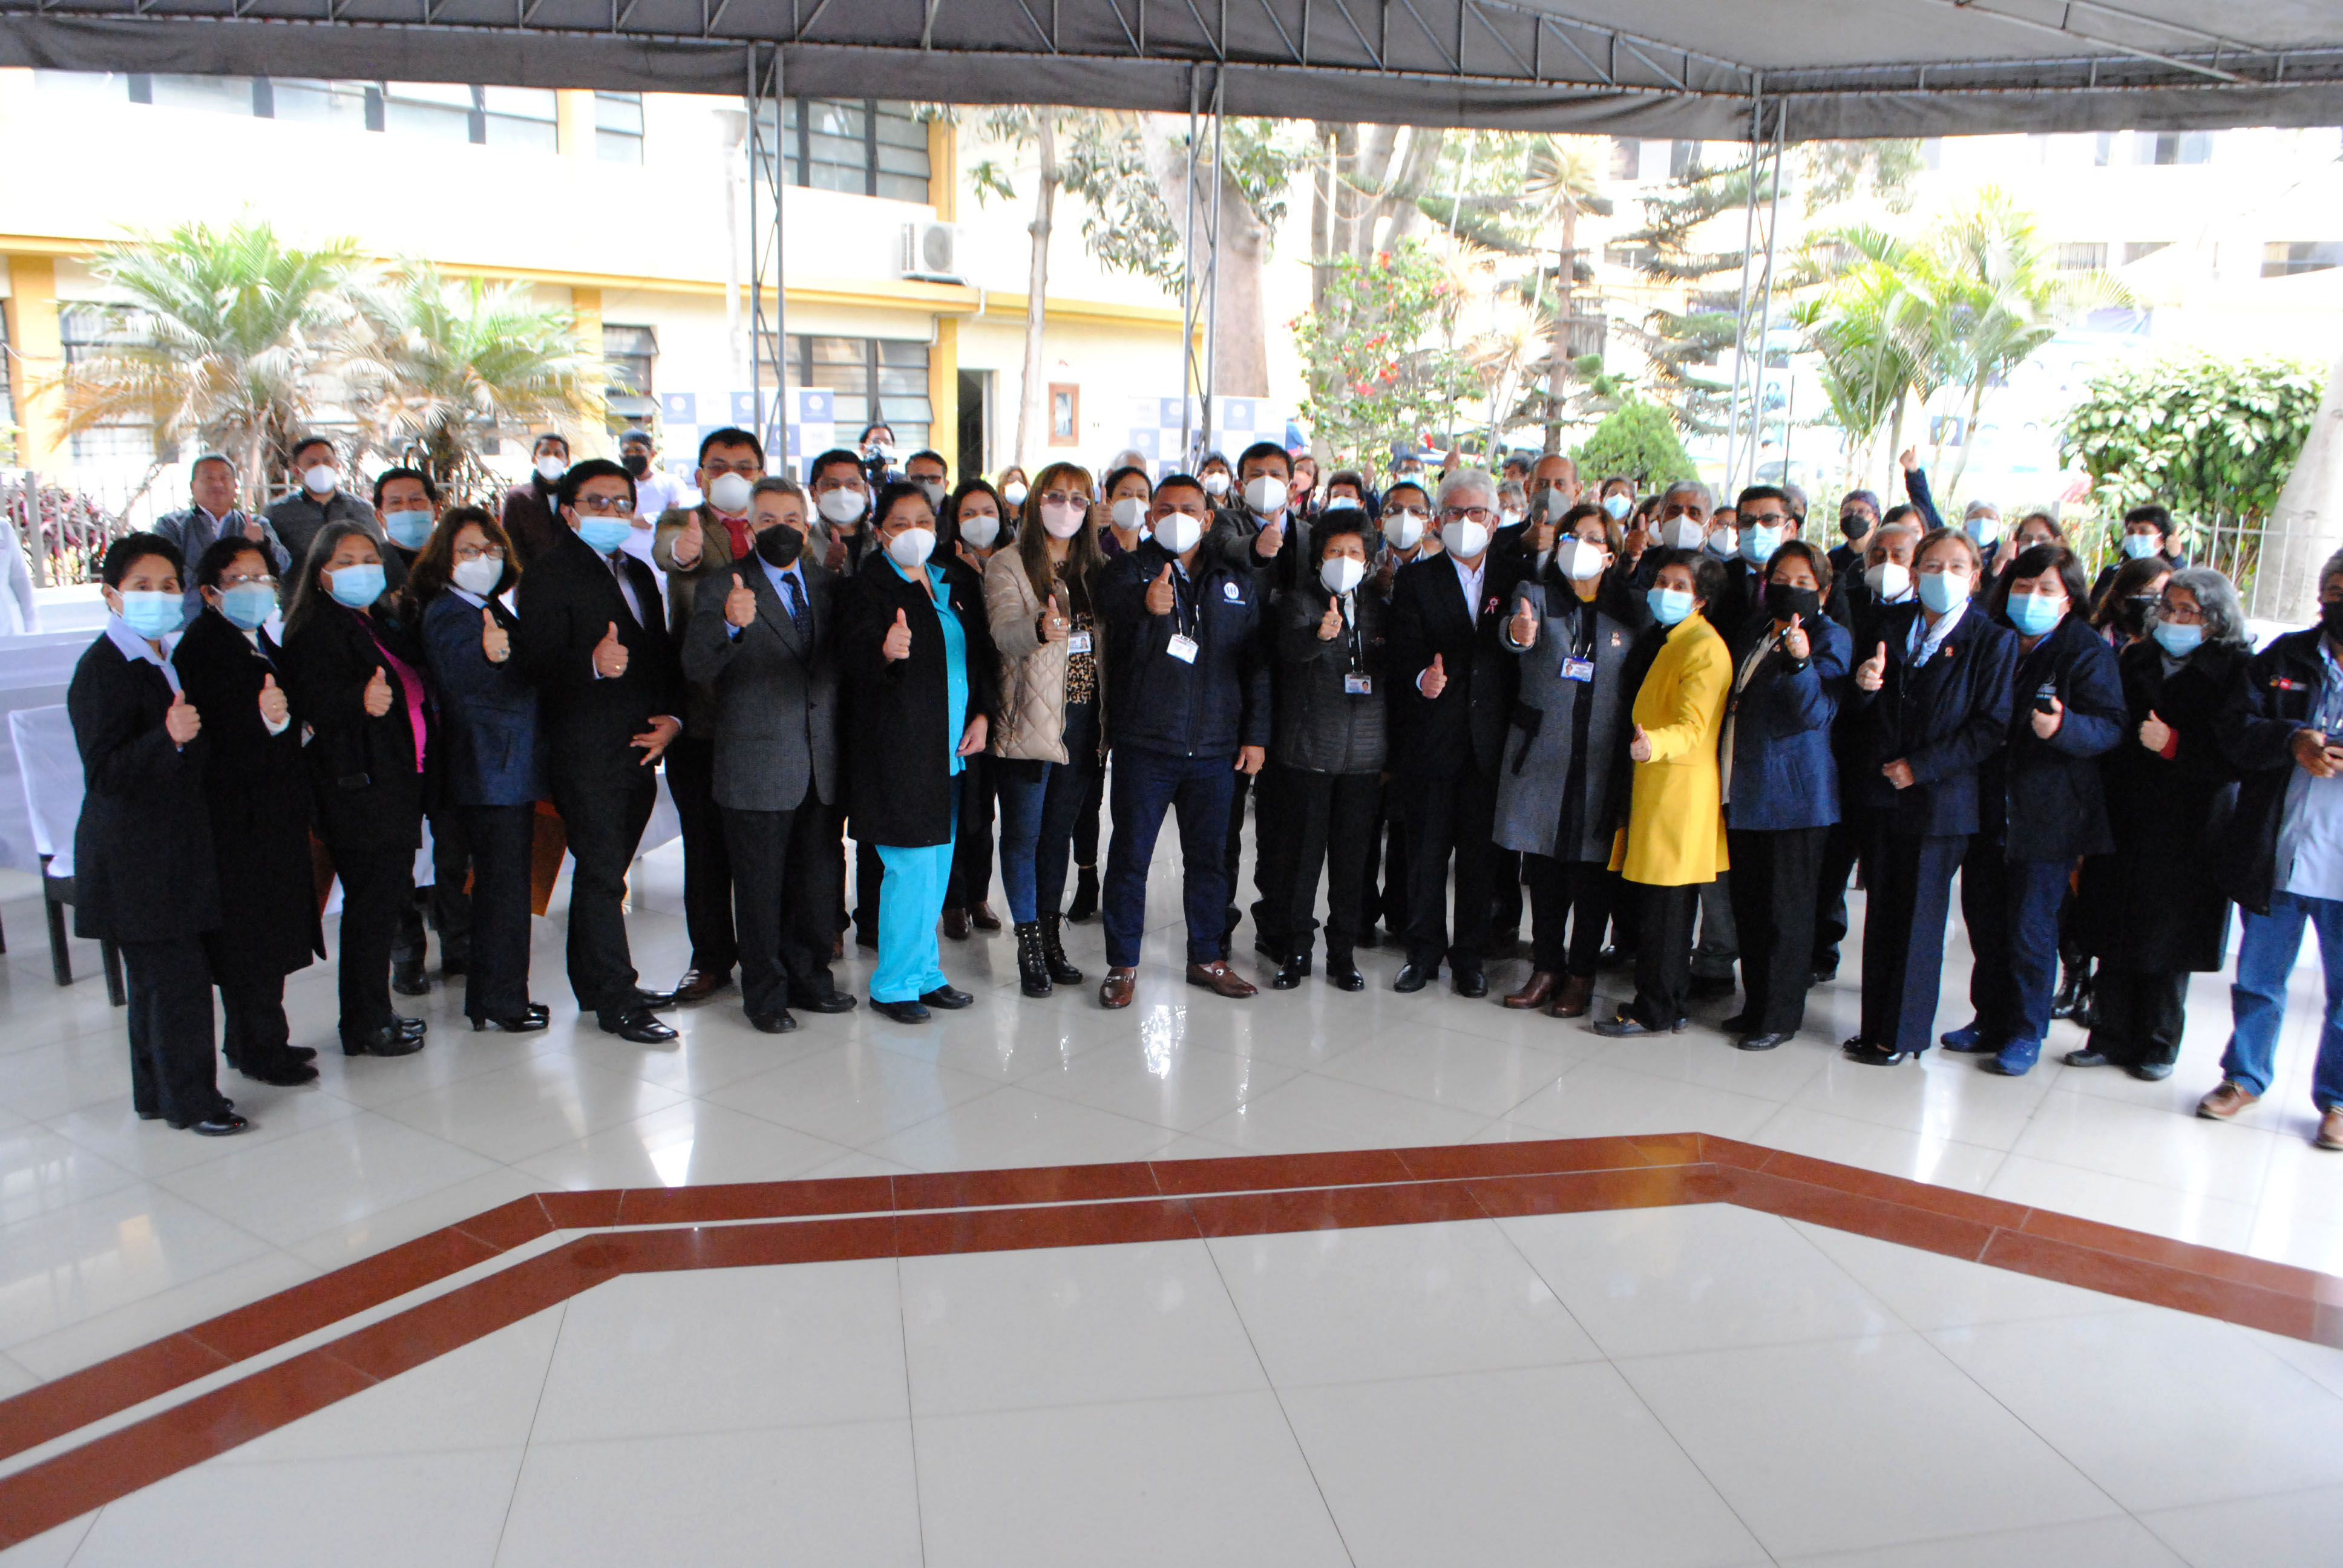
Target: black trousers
column 1626, row 915
column 1774, row 882
column 970, row 883
column 371, row 834
column 2140, row 1014
column 253, row 1033
column 867, row 874
column 446, row 905
column 1307, row 820
column 1086, row 821
column 605, row 818
column 502, row 840
column 785, row 868
column 1910, row 895
column 172, row 1074
column 2011, row 909
column 1664, row 916
column 1386, row 865
column 1504, row 889
column 1566, row 894
column 1232, row 857
column 707, row 868
column 1449, row 819
column 1841, row 850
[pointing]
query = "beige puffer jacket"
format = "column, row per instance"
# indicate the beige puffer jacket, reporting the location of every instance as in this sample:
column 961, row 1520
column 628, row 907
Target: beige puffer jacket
column 1032, row 723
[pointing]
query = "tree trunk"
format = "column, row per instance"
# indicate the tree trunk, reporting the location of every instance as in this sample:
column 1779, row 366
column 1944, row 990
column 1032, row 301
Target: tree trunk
column 1968, row 439
column 1557, row 375
column 1398, row 210
column 1894, row 446
column 1030, row 423
column 1347, row 200
column 1241, row 349
column 1322, row 214
column 2307, row 525
column 1371, row 176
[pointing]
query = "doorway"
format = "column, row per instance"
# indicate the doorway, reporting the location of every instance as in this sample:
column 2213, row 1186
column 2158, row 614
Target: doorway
column 975, row 402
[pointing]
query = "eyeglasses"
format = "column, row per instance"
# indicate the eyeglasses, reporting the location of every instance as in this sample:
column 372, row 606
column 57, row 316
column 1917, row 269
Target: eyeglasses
column 606, row 506
column 1466, row 514
column 2180, row 613
column 241, row 579
column 1062, row 497
column 478, row 553
column 1764, row 519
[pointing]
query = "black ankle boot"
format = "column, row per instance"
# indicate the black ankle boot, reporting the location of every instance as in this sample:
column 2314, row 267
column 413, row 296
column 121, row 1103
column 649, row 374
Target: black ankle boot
column 1086, row 891
column 1033, row 973
column 1053, row 954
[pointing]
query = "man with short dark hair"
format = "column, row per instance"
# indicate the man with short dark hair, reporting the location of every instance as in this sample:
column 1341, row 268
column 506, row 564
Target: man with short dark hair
column 841, row 492
column 656, row 490
column 212, row 515
column 530, row 517
column 318, row 499
column 929, row 470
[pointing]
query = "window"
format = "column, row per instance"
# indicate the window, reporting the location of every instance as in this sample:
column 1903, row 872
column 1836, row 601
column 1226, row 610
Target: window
column 1637, row 257
column 218, row 95
column 441, row 111
column 514, row 118
column 311, row 101
column 2140, row 249
column 864, row 146
column 2285, row 257
column 2172, row 146
column 1626, row 158
column 1065, row 414
column 2081, row 255
column 1684, row 160
column 871, row 378
column 628, row 353
column 619, row 127
column 85, row 329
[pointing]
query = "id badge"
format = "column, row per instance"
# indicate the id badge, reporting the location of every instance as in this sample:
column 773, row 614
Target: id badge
column 1577, row 668
column 1078, row 642
column 1357, row 685
column 1183, row 649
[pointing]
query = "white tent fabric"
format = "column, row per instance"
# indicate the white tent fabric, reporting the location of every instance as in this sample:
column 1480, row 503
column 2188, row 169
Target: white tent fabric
column 1684, row 68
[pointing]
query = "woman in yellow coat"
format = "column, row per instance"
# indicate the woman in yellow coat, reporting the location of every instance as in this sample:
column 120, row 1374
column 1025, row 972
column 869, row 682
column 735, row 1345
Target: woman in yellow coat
column 1674, row 837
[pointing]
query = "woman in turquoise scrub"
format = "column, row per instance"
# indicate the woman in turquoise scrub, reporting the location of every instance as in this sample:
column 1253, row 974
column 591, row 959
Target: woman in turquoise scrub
column 918, row 659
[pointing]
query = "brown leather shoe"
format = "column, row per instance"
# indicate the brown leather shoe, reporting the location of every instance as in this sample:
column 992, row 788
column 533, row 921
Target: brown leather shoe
column 1576, row 995
column 1221, row 979
column 2225, row 1102
column 699, row 985
column 956, row 924
column 1536, row 993
column 1116, row 988
column 980, row 916
column 2330, row 1130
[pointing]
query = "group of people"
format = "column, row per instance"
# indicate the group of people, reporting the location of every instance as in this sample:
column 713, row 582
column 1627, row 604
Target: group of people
column 1673, row 729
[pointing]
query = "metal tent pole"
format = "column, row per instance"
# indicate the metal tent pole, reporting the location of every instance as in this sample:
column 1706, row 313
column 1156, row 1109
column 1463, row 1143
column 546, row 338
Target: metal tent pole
column 768, row 333
column 1187, row 296
column 1213, row 280
column 1766, row 311
column 1741, row 316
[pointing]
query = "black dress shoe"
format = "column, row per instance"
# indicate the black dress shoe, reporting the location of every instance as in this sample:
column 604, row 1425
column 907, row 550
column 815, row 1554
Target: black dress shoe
column 388, row 1040
column 900, row 1011
column 518, row 1023
column 454, row 965
column 416, row 1027
column 773, row 1023
column 1289, row 973
column 1871, row 1055
column 301, row 1053
column 1627, row 1026
column 283, row 1072
column 1765, row 1041
column 636, row 1024
column 825, row 1001
column 219, row 1124
column 1343, row 975
column 408, row 979
column 1617, row 958
column 2087, row 1057
column 1739, row 1023
column 1469, row 982
column 1415, row 977
column 944, row 997
column 697, row 986
column 1708, row 989
column 654, row 1000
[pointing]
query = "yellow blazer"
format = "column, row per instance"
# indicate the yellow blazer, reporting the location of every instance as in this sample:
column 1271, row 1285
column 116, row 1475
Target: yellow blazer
column 1675, row 822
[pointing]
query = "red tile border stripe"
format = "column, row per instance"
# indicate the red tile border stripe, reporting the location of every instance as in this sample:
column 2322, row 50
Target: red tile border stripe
column 769, row 1222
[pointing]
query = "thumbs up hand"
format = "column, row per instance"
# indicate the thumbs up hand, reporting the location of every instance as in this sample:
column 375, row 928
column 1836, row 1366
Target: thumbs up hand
column 741, row 604
column 495, row 643
column 1434, row 680
column 610, row 655
column 1055, row 627
column 1872, row 673
column 2154, row 734
column 1524, row 627
column 690, row 542
column 1793, row 641
column 1640, row 748
column 899, row 639
column 274, row 709
column 377, row 694
column 1160, row 598
column 1330, row 624
column 181, row 722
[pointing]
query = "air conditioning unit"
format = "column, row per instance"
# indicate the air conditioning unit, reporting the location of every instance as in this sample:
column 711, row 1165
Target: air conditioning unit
column 931, row 252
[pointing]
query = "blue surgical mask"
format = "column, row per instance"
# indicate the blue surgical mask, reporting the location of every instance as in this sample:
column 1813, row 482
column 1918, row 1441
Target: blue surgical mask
column 1617, row 506
column 2178, row 639
column 152, row 613
column 2140, row 546
column 1758, row 543
column 355, row 585
column 1669, row 605
column 1940, row 591
column 2035, row 613
column 407, row 530
column 248, row 604
column 604, row 535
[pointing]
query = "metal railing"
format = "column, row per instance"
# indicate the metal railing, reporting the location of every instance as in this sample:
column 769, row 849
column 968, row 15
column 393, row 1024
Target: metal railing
column 65, row 524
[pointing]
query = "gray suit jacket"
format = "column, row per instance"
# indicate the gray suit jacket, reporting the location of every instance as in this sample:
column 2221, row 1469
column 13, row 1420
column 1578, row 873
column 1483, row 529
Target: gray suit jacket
column 775, row 720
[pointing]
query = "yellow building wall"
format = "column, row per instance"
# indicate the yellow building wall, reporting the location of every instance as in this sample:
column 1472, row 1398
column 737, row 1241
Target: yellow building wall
column 36, row 352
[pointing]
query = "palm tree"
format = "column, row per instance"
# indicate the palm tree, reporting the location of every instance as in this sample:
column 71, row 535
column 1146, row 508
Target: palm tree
column 1562, row 180
column 228, row 336
column 448, row 368
column 1872, row 327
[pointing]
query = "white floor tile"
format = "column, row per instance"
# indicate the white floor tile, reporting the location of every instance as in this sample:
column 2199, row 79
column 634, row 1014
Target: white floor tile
column 1462, row 1072
column 51, row 1548
column 2121, row 1543
column 2198, row 1156
column 1014, row 1126
column 1896, row 1151
column 327, row 1177
column 41, row 1170
column 402, row 1222
column 104, row 1253
column 852, row 1094
column 1314, row 1112
column 1150, row 1077
column 689, row 1144
column 1940, row 1096
column 81, row 1340
column 530, row 1107
column 1600, row 1101
column 1930, row 1291
column 2125, row 1200
column 2291, row 1530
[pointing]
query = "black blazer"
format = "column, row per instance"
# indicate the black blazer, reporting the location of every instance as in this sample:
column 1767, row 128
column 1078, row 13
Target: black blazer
column 2042, row 798
column 328, row 662
column 1436, row 737
column 901, row 740
column 494, row 751
column 2283, row 680
column 143, row 871
column 1943, row 720
column 258, row 790
column 567, row 601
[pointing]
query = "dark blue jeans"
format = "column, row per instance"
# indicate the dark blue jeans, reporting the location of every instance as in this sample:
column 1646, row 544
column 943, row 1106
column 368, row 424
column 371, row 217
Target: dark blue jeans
column 1142, row 786
column 1039, row 803
column 2011, row 909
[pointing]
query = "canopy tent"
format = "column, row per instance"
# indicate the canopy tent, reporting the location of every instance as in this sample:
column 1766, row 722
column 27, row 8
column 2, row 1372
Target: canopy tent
column 1658, row 68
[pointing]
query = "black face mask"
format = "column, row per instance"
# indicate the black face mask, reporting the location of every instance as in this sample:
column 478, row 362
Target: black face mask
column 1854, row 524
column 1785, row 602
column 635, row 463
column 2132, row 614
column 780, row 545
column 2330, row 615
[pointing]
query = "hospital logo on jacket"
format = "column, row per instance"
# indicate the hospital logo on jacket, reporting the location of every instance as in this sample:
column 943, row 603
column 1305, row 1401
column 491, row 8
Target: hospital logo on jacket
column 1231, row 592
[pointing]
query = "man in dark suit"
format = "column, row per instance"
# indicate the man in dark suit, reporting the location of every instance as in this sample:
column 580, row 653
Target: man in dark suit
column 300, row 516
column 592, row 638
column 1451, row 713
column 764, row 646
column 530, row 518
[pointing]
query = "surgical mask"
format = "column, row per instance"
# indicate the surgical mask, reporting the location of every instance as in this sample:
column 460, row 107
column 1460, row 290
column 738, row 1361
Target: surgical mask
column 151, row 612
column 1466, row 538
column 603, row 534
column 2034, row 614
column 1854, row 524
column 730, row 494
column 1341, row 574
column 1178, row 532
column 1983, row 530
column 318, row 480
column 2140, row 546
column 1063, row 520
column 355, row 587
column 1785, row 603
column 1406, row 530
column 1265, row 494
column 1013, row 493
column 2178, row 639
column 1507, row 517
column 1888, row 581
column 1758, row 543
column 979, row 529
column 1581, row 560
column 550, row 470
column 1684, row 533
column 246, row 605
column 635, row 463
column 780, row 544
column 479, row 576
column 910, row 549
column 1216, row 484
column 1341, row 504
column 842, row 505
column 1129, row 515
column 936, row 491
column 1721, row 543
column 1618, row 506
column 1940, row 591
column 1669, row 605
column 407, row 530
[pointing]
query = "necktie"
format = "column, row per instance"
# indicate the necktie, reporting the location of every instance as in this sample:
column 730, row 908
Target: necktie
column 796, row 605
